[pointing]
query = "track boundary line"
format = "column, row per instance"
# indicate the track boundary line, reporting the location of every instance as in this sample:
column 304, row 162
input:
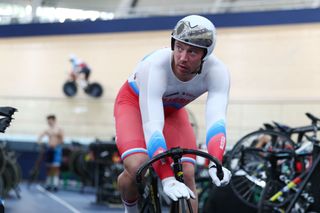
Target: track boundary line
column 59, row 200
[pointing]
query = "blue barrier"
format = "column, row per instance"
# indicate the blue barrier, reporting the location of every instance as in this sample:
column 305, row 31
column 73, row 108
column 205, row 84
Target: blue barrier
column 160, row 23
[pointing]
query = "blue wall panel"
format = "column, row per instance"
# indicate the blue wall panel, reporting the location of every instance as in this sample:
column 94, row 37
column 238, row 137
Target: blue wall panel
column 160, row 23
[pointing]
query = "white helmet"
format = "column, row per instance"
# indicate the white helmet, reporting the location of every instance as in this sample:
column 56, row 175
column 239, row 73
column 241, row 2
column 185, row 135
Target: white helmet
column 197, row 31
column 73, row 57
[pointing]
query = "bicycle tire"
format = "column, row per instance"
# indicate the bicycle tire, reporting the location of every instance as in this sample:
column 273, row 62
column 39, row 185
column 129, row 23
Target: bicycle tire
column 180, row 206
column 150, row 200
column 176, row 153
column 250, row 170
column 70, row 88
column 94, row 90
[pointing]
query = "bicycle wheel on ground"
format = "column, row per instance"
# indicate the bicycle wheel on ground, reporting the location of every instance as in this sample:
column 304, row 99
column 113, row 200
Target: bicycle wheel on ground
column 70, row 88
column 94, row 90
column 149, row 201
column 181, row 206
column 250, row 169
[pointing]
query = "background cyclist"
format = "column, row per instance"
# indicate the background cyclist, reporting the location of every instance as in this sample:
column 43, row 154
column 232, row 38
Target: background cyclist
column 80, row 71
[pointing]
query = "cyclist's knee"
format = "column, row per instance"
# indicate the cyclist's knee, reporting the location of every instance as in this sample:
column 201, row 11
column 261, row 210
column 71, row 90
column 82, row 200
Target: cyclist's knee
column 188, row 173
column 133, row 162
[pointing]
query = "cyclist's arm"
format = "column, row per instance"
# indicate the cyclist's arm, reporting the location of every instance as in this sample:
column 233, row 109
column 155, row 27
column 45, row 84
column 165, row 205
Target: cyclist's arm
column 152, row 85
column 217, row 101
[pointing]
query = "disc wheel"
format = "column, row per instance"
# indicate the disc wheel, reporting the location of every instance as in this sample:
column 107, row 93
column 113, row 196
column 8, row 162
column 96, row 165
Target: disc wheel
column 94, row 90
column 70, row 88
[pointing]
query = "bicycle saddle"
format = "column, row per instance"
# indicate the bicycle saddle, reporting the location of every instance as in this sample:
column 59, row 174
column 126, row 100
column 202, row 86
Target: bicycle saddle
column 268, row 126
column 7, row 111
column 312, row 117
column 282, row 127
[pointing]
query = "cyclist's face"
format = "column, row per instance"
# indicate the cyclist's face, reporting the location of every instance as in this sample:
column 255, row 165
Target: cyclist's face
column 186, row 60
column 51, row 122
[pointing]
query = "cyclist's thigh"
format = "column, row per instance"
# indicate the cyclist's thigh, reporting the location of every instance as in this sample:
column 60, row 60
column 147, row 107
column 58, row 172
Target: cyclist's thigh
column 129, row 132
column 179, row 132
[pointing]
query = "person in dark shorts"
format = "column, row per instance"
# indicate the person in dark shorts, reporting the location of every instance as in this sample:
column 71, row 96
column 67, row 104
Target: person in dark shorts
column 54, row 152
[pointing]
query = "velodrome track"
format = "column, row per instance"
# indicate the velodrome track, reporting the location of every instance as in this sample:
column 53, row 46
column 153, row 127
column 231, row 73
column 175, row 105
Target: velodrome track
column 275, row 60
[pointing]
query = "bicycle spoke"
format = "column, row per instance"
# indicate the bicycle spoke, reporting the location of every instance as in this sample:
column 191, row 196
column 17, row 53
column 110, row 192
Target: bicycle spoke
column 241, row 182
column 250, row 192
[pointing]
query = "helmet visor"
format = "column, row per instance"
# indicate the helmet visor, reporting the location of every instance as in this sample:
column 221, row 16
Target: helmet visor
column 196, row 35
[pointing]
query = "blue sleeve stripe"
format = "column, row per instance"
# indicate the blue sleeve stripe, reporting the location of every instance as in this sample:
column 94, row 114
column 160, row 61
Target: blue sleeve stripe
column 134, row 86
column 216, row 128
column 156, row 141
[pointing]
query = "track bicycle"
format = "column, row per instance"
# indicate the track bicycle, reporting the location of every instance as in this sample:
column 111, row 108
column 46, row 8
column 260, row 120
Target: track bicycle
column 300, row 193
column 147, row 180
column 250, row 170
column 70, row 87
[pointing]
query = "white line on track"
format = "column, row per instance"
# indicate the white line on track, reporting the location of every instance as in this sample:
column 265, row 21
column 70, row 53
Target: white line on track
column 59, row 200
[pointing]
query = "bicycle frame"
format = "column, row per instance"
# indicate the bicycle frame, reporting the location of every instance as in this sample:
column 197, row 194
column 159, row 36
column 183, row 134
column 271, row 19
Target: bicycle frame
column 307, row 178
column 300, row 181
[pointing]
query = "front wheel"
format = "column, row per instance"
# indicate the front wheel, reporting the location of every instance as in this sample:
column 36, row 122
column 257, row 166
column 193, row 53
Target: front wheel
column 70, row 88
column 94, row 90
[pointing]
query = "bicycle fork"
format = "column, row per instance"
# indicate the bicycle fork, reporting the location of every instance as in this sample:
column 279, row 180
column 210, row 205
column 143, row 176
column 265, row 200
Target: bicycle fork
column 178, row 173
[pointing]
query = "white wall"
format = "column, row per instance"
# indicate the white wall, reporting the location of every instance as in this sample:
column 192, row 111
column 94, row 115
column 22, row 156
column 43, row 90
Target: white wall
column 274, row 75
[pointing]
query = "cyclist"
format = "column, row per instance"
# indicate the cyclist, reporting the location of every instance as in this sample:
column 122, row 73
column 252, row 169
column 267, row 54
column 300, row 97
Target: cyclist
column 149, row 109
column 80, row 70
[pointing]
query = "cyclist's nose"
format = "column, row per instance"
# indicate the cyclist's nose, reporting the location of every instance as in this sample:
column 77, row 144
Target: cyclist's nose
column 183, row 56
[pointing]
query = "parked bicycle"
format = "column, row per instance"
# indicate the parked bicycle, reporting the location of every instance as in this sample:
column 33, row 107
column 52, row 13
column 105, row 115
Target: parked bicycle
column 270, row 159
column 300, row 193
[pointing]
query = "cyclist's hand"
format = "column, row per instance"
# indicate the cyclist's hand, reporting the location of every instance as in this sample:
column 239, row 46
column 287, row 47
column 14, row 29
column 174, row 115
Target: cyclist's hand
column 175, row 189
column 214, row 177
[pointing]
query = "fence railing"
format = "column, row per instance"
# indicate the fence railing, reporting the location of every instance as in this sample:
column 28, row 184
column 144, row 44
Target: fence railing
column 90, row 118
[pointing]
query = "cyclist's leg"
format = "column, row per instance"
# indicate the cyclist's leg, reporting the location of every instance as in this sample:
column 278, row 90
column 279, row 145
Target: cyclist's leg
column 179, row 132
column 130, row 143
column 83, row 77
column 126, row 180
